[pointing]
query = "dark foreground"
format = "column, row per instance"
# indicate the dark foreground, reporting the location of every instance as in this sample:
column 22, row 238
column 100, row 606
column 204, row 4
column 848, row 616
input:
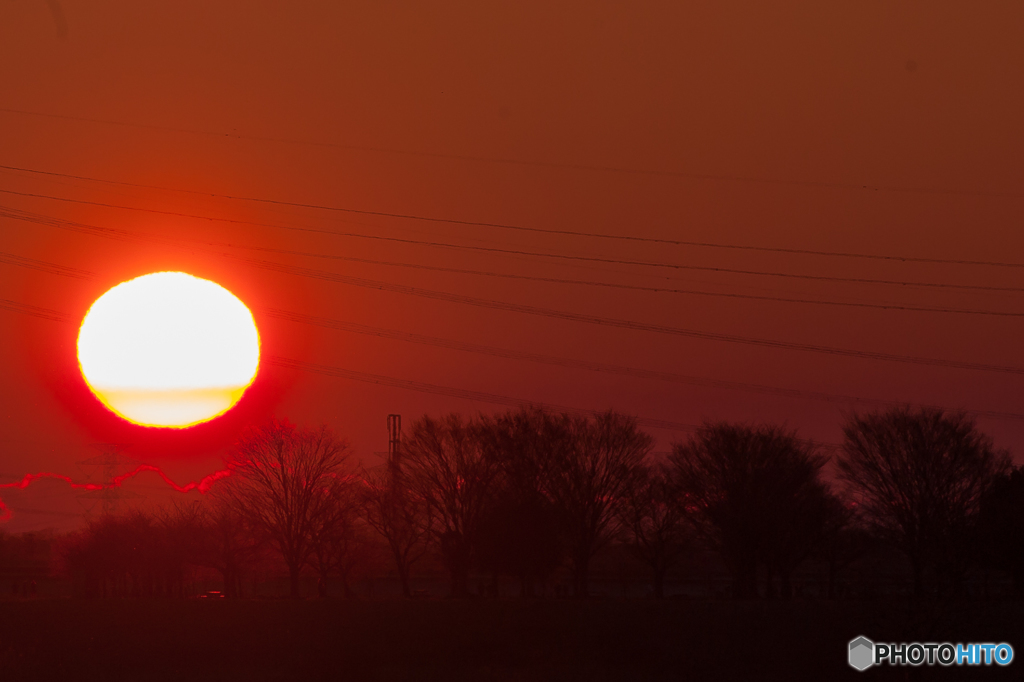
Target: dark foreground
column 481, row 640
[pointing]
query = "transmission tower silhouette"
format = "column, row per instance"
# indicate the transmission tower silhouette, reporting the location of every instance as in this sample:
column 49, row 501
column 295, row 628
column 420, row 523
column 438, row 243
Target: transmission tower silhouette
column 110, row 462
column 392, row 456
column 394, row 440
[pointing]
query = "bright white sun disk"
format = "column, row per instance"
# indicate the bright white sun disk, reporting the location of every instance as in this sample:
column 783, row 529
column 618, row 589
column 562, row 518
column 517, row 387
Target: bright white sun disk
column 168, row 349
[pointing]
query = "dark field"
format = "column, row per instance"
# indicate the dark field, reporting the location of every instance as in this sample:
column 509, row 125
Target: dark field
column 480, row 639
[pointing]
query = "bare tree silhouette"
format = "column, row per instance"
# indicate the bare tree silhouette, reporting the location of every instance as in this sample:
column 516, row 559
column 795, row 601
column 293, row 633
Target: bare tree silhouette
column 182, row 538
column 654, row 520
column 445, row 465
column 521, row 533
column 399, row 516
column 755, row 496
column 516, row 493
column 215, row 535
column 281, row 481
column 1001, row 525
column 522, row 444
column 520, row 537
column 846, row 539
column 126, row 555
column 336, row 536
column 918, row 477
column 25, row 557
column 595, row 460
column 804, row 518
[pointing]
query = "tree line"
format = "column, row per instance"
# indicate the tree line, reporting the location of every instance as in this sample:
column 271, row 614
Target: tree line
column 529, row 492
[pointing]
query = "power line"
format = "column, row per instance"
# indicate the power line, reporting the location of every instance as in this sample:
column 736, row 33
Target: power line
column 56, row 316
column 573, row 363
column 506, row 226
column 465, row 394
column 20, row 215
column 632, row 287
column 340, row 325
column 82, row 228
column 721, row 177
column 34, row 311
column 28, row 217
column 43, row 266
column 341, row 373
column 354, row 375
column 702, row 268
column 45, row 313
column 615, row 322
column 558, row 314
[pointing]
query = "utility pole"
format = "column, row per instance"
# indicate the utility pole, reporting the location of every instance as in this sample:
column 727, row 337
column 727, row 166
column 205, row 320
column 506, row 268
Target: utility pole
column 394, row 441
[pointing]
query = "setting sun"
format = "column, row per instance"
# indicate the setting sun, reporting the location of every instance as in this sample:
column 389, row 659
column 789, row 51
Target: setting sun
column 168, row 349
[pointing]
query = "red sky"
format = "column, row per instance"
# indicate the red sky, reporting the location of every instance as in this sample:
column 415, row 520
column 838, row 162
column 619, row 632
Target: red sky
column 864, row 127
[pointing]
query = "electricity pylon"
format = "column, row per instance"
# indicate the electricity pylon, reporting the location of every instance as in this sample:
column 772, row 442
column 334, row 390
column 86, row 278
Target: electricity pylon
column 113, row 462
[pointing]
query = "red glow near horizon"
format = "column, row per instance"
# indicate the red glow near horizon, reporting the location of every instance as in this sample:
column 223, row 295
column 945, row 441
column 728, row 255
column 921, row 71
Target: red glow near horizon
column 203, row 485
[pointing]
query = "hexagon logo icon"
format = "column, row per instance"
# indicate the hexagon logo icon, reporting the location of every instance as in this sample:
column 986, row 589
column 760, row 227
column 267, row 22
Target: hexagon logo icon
column 862, row 653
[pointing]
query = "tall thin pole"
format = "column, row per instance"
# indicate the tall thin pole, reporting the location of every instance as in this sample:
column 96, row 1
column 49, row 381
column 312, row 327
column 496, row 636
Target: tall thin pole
column 394, row 440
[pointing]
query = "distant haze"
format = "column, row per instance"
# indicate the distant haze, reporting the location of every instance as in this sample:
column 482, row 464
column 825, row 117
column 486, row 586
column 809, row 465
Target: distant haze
column 856, row 128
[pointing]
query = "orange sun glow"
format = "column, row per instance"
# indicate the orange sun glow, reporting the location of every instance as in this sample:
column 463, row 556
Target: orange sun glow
column 168, row 349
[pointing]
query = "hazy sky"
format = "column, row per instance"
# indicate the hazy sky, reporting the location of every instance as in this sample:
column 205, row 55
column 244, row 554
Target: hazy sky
column 879, row 128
